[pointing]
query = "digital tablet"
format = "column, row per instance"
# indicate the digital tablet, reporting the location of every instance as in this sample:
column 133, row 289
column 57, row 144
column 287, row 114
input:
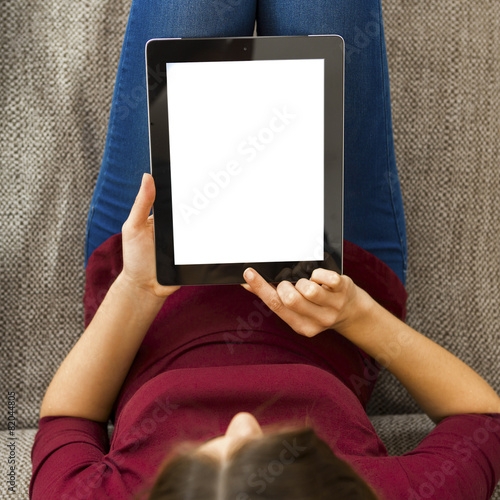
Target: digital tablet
column 246, row 143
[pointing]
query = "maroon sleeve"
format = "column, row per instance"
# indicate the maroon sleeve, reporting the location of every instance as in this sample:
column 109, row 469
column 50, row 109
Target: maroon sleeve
column 66, row 449
column 103, row 267
column 458, row 460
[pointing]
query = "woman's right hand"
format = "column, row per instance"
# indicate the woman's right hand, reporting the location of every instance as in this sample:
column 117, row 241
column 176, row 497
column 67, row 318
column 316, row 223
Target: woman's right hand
column 325, row 300
column 440, row 383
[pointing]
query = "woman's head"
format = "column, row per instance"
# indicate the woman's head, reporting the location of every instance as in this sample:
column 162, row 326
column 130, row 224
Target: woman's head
column 246, row 464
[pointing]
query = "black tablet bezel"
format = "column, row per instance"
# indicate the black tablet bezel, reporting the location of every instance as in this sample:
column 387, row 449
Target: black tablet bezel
column 158, row 53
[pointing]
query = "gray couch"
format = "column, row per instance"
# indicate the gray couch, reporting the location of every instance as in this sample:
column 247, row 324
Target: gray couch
column 58, row 64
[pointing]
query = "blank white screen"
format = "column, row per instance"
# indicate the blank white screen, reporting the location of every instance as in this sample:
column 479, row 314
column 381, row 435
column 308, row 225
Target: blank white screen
column 247, row 160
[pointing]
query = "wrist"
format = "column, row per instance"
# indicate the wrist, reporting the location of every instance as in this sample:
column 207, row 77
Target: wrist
column 145, row 298
column 360, row 316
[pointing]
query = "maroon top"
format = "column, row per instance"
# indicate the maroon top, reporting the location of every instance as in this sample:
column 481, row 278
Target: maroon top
column 214, row 351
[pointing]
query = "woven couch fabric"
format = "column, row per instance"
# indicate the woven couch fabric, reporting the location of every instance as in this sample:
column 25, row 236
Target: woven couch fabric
column 24, row 442
column 58, row 63
column 58, row 66
column 444, row 66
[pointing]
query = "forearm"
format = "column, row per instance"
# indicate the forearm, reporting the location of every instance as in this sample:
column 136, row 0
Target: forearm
column 89, row 379
column 440, row 383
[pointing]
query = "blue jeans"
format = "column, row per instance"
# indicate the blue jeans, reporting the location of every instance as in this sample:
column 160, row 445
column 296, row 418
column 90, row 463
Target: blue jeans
column 373, row 207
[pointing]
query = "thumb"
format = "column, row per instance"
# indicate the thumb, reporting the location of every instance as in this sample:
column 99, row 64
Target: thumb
column 143, row 202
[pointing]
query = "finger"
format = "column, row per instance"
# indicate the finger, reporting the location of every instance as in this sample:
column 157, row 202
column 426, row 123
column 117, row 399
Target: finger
column 267, row 293
column 300, row 322
column 144, row 201
column 326, row 277
column 246, row 287
column 298, row 303
column 314, row 292
column 150, row 220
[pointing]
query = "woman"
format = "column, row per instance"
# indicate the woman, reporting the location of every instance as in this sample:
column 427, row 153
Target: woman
column 189, row 375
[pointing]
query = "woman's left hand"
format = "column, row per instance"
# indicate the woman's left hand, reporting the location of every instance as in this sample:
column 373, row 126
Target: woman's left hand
column 139, row 266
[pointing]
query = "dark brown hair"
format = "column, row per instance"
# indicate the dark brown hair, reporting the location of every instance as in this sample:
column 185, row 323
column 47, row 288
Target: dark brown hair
column 283, row 465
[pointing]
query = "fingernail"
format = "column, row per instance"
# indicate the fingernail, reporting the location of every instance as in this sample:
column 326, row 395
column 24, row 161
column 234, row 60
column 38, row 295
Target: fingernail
column 249, row 275
column 143, row 178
